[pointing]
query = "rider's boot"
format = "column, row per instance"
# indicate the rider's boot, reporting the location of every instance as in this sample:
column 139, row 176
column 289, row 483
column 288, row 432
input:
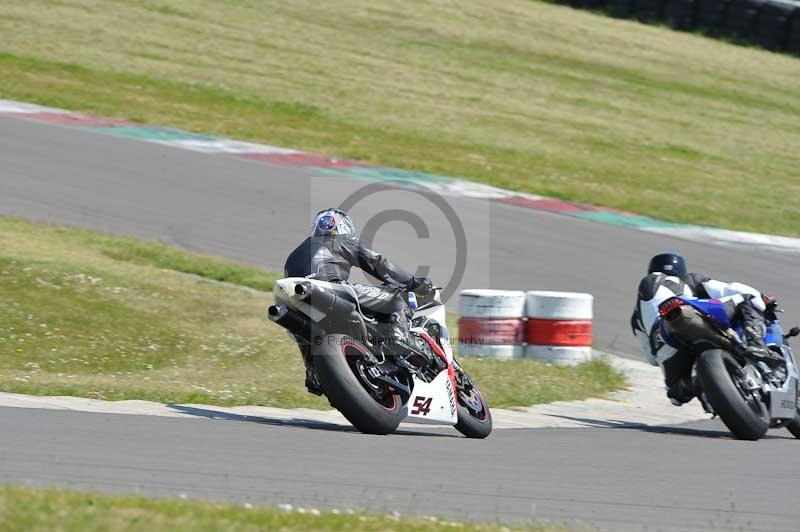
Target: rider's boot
column 757, row 350
column 755, row 329
column 312, row 383
column 683, row 391
column 402, row 339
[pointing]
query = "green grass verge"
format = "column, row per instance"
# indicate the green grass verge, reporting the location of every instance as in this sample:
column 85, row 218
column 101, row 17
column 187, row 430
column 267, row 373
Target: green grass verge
column 35, row 510
column 527, row 382
column 91, row 315
column 520, row 94
column 170, row 258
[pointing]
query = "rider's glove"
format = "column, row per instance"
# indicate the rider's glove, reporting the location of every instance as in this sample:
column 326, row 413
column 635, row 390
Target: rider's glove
column 772, row 306
column 424, row 286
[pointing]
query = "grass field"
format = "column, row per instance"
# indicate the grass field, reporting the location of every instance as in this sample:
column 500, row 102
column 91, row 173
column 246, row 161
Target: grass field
column 90, row 315
column 515, row 93
column 52, row 510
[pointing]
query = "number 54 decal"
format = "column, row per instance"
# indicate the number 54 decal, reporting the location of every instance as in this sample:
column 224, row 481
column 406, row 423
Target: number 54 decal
column 422, row 405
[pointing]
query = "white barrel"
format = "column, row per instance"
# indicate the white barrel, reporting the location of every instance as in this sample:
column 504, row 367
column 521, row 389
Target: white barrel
column 483, row 302
column 559, row 305
column 559, row 327
column 492, row 323
column 558, row 355
column 499, row 352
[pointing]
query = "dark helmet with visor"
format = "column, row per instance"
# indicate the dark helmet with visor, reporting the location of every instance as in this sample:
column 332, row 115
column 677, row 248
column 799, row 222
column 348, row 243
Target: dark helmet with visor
column 668, row 264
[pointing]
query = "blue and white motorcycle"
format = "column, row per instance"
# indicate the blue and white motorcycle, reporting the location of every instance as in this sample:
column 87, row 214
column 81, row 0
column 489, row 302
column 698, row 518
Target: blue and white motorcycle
column 749, row 395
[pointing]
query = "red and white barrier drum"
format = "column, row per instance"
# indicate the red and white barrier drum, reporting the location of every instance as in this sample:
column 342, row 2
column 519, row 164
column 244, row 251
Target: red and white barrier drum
column 492, row 323
column 559, row 327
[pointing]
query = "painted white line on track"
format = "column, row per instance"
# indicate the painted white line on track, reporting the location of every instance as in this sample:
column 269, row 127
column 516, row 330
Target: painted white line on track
column 10, row 106
column 728, row 238
column 227, row 146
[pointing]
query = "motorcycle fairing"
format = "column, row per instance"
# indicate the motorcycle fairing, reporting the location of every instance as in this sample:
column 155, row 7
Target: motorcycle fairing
column 713, row 308
column 717, row 310
column 432, row 402
column 783, row 400
column 441, row 390
column 774, row 334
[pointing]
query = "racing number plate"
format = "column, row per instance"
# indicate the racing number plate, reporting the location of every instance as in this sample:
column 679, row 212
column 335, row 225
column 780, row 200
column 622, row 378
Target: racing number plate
column 422, row 405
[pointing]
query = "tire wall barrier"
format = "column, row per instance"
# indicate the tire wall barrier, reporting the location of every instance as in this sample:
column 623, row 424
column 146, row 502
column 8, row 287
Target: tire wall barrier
column 771, row 24
column 553, row 327
column 559, row 327
column 491, row 323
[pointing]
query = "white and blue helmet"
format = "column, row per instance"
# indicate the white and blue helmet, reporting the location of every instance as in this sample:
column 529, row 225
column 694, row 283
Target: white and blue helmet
column 332, row 222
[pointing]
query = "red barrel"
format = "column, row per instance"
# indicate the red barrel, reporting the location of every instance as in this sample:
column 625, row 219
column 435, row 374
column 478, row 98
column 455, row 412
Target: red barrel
column 493, row 331
column 558, row 332
column 559, row 327
column 492, row 323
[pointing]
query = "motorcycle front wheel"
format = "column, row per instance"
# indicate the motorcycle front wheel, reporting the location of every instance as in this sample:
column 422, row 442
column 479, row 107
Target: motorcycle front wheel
column 743, row 411
column 474, row 416
column 368, row 404
column 793, row 425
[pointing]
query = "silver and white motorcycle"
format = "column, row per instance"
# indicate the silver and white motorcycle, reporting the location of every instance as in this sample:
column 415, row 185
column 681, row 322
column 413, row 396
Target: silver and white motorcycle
column 374, row 386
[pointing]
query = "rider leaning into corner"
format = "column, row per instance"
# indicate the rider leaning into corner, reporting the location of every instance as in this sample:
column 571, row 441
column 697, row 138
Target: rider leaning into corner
column 329, row 253
column 667, row 276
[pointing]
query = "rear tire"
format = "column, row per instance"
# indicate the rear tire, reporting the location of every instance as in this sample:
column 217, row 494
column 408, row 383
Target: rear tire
column 474, row 416
column 332, row 361
column 793, row 425
column 746, row 419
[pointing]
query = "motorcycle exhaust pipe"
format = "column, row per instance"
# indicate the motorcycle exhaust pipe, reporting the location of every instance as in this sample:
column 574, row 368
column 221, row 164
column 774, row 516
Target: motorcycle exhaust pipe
column 687, row 325
column 275, row 312
column 302, row 290
column 325, row 300
column 294, row 322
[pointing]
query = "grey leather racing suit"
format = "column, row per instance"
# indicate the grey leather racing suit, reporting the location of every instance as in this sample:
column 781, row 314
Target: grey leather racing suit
column 330, row 258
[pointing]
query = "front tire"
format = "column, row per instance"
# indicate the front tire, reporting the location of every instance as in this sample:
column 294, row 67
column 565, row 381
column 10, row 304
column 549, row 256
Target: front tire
column 744, row 413
column 793, row 425
column 369, row 408
column 474, row 416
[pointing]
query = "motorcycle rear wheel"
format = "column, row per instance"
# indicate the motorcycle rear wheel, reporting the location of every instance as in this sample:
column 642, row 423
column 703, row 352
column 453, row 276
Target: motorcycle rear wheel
column 745, row 414
column 371, row 408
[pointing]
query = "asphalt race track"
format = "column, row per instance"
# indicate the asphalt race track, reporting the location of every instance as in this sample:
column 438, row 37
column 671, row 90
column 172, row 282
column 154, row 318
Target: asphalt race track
column 626, row 477
column 684, row 478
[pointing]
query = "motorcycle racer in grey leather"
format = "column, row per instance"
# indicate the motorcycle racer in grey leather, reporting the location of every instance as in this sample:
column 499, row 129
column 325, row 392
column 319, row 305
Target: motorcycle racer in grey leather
column 332, row 250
